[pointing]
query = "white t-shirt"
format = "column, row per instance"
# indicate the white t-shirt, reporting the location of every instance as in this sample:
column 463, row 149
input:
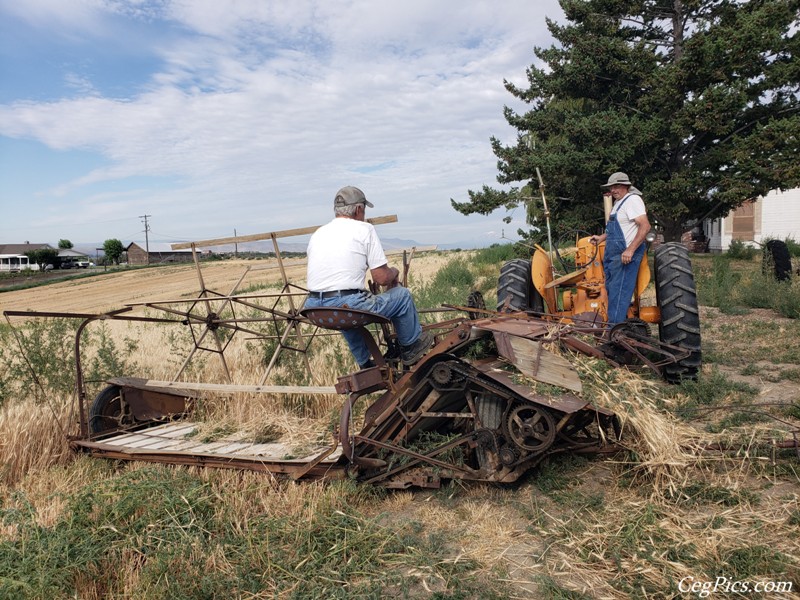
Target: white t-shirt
column 340, row 253
column 633, row 207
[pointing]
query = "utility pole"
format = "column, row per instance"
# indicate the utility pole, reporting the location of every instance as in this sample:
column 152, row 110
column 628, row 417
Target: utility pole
column 146, row 236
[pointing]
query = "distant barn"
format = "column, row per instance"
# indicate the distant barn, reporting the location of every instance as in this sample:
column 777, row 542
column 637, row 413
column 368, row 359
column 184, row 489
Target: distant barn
column 160, row 253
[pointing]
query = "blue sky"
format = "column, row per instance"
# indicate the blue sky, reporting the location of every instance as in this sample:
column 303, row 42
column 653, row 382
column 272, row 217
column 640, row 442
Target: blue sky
column 213, row 116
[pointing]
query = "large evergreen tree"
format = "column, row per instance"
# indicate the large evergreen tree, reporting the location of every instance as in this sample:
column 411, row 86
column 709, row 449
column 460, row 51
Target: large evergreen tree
column 697, row 100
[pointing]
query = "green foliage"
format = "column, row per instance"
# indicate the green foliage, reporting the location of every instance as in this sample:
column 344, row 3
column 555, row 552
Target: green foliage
column 335, row 551
column 64, row 244
column 549, row 588
column 734, row 288
column 559, row 472
column 704, row 493
column 497, row 254
column 113, row 249
column 793, row 247
column 42, row 257
column 108, row 360
column 738, row 250
column 37, row 358
column 711, row 389
column 696, row 101
column 749, row 562
column 451, row 285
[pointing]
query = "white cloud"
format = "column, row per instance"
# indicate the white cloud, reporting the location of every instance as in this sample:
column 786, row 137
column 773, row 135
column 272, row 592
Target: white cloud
column 263, row 109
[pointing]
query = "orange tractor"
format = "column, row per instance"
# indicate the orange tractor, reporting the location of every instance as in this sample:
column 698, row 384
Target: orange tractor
column 579, row 296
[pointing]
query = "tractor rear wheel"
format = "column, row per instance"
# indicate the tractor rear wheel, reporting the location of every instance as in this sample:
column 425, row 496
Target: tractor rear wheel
column 777, row 261
column 676, row 296
column 515, row 283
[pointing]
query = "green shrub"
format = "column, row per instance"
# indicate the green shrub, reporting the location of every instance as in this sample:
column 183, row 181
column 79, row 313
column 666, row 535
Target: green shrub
column 451, row 285
column 793, row 246
column 738, row 250
column 497, row 254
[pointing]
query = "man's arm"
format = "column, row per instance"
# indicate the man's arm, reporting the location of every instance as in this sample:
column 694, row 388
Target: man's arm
column 385, row 276
column 641, row 232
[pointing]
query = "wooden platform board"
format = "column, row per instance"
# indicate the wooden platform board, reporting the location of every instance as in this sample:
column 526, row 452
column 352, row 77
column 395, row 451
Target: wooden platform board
column 177, row 442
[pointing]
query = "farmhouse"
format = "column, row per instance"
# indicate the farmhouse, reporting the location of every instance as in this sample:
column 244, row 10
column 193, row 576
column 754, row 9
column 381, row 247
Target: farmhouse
column 774, row 216
column 159, row 253
column 13, row 257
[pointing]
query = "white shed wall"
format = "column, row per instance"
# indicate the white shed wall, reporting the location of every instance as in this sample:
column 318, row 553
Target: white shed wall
column 777, row 216
column 780, row 215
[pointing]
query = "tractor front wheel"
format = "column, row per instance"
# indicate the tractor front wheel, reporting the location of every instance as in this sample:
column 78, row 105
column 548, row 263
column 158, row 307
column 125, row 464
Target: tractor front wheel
column 515, row 285
column 676, row 296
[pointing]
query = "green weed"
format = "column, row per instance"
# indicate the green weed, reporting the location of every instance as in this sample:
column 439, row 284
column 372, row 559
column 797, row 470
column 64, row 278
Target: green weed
column 559, row 472
column 738, row 250
column 451, row 285
column 703, row 493
column 496, row 254
column 736, row 287
column 751, row 562
column 36, row 356
column 711, row 389
column 184, row 546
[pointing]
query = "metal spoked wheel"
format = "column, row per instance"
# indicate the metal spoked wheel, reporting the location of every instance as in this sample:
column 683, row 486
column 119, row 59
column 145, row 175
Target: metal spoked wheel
column 531, row 428
column 109, row 411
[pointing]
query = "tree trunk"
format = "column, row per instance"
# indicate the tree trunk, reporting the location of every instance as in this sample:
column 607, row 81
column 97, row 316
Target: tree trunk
column 677, row 29
column 673, row 229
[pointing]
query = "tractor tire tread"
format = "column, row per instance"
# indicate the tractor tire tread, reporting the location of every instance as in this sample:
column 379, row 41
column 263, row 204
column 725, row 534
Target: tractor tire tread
column 515, row 281
column 680, row 316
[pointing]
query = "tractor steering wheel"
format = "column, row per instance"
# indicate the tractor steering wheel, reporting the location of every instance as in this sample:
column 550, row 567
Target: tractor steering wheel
column 573, row 234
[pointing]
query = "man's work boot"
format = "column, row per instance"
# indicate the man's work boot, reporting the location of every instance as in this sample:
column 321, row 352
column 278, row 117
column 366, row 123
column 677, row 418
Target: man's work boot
column 412, row 353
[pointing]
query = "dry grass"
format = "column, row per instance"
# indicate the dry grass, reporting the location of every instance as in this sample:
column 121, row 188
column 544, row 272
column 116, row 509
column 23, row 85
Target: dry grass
column 33, row 436
column 628, row 526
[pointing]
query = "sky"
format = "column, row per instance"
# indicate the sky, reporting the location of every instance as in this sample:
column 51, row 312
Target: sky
column 223, row 117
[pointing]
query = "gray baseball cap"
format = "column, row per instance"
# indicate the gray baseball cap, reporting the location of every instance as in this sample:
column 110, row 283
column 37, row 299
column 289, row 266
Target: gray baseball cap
column 351, row 195
column 618, row 178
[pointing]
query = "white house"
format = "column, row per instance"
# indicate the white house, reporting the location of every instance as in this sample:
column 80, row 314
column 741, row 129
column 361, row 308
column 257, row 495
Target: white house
column 774, row 216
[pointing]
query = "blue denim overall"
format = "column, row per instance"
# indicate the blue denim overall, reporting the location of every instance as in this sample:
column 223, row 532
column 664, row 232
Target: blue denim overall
column 620, row 278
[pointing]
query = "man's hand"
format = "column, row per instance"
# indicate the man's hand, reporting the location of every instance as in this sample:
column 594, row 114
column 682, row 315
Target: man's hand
column 596, row 239
column 627, row 256
column 386, row 276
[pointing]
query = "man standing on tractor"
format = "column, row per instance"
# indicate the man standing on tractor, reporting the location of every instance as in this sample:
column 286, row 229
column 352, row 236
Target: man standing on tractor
column 624, row 237
column 339, row 255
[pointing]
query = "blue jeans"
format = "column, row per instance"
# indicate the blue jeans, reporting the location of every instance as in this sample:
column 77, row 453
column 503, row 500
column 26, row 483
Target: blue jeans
column 396, row 304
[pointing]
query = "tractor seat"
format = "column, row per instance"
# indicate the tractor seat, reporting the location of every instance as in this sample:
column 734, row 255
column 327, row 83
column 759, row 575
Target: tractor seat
column 341, row 319
column 344, row 319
